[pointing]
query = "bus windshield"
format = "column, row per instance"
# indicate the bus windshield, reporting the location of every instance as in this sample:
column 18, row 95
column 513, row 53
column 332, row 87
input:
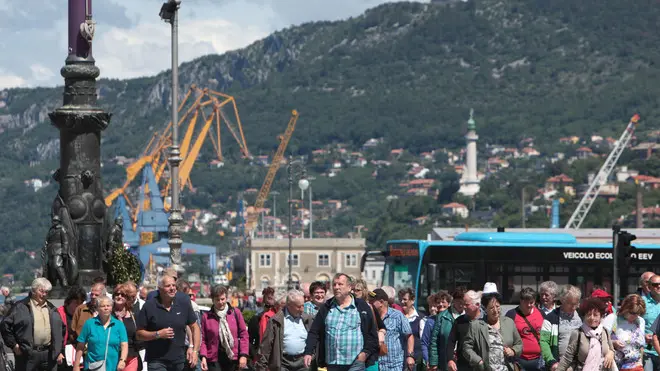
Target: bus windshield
column 401, row 265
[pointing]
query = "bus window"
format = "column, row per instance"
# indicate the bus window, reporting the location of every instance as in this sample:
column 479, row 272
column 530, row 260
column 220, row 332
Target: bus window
column 458, row 274
column 400, row 273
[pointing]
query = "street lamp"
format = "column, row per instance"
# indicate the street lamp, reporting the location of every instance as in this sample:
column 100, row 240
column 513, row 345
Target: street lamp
column 169, row 13
column 303, row 183
column 311, row 212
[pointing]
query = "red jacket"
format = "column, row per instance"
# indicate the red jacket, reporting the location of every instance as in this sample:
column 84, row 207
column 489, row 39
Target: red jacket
column 211, row 337
column 61, row 310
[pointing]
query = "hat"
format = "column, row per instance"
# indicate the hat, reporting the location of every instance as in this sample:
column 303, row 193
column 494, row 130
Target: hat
column 601, row 294
column 378, row 294
column 489, row 288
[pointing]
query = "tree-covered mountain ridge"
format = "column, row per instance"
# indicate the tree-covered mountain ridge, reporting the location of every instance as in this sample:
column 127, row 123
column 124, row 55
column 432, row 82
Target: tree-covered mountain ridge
column 408, row 72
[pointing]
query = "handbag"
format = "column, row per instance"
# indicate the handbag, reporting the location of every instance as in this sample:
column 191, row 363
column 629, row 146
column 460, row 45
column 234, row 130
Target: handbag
column 100, row 365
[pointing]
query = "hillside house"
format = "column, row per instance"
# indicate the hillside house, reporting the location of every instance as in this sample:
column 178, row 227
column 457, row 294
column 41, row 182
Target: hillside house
column 584, row 153
column 456, row 209
column 562, row 183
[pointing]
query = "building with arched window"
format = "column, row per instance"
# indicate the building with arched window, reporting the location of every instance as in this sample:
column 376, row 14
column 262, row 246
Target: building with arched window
column 317, row 259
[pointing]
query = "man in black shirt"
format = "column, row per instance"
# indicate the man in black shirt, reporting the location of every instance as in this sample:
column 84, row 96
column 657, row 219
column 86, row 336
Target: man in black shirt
column 459, row 330
column 162, row 325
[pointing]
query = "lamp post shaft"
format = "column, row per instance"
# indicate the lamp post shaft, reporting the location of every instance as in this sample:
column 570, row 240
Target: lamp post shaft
column 290, row 174
column 176, row 219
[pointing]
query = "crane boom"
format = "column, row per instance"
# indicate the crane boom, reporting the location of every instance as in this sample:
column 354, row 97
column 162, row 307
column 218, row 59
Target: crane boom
column 272, row 171
column 589, row 197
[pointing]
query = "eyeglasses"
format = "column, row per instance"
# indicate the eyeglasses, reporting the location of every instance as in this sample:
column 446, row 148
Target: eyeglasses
column 120, row 294
column 655, row 284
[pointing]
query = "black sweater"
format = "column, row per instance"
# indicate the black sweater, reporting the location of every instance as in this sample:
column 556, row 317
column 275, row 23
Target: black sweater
column 317, row 333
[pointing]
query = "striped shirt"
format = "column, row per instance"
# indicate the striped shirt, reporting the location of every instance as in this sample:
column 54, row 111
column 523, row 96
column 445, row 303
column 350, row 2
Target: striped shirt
column 396, row 338
column 343, row 337
column 311, row 308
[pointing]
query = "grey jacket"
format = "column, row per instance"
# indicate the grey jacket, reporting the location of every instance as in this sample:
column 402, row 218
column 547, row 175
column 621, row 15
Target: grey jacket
column 578, row 349
column 476, row 345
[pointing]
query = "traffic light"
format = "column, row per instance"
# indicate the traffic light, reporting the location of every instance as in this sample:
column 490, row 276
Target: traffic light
column 625, row 249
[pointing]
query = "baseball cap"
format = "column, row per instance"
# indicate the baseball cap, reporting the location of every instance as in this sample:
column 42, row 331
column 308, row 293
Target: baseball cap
column 378, row 294
column 601, row 294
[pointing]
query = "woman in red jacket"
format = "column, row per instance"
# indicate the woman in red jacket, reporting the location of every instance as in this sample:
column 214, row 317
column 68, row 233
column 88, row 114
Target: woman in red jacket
column 225, row 341
column 74, row 298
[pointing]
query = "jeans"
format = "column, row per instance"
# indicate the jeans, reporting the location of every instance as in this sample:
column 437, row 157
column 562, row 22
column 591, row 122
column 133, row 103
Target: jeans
column 531, row 364
column 165, row 366
column 356, row 366
column 651, row 362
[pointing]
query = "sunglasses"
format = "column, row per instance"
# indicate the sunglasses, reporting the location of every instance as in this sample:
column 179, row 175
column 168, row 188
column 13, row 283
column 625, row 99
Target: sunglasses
column 120, row 294
column 654, row 284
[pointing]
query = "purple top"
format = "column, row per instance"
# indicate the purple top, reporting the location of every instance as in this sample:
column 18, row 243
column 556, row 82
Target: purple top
column 78, row 46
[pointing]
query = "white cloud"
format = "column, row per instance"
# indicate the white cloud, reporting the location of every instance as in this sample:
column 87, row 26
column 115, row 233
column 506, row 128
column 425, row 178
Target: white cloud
column 41, row 73
column 10, row 81
column 132, row 41
column 145, row 50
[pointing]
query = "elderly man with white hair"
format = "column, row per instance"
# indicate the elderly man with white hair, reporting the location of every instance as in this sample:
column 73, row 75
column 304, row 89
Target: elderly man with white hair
column 34, row 330
column 283, row 342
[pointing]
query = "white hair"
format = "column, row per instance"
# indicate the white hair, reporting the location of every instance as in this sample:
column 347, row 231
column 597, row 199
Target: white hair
column 549, row 287
column 102, row 299
column 281, row 298
column 294, row 296
column 5, row 288
column 474, row 297
column 41, row 283
column 569, row 291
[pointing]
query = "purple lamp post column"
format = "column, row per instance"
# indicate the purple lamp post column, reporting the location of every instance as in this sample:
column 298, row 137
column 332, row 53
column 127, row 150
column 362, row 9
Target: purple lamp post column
column 79, row 203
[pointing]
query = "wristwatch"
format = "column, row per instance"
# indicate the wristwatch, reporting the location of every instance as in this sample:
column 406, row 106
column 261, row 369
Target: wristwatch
column 157, row 335
column 412, row 355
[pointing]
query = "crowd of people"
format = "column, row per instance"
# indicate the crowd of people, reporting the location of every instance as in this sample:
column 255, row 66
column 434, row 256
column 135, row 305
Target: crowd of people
column 344, row 327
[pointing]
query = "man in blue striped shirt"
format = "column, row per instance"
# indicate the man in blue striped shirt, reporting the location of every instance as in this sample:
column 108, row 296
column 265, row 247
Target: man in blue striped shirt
column 398, row 336
column 344, row 330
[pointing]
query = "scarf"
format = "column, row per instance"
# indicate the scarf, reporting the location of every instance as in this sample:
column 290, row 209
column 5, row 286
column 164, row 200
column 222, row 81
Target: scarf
column 226, row 338
column 595, row 357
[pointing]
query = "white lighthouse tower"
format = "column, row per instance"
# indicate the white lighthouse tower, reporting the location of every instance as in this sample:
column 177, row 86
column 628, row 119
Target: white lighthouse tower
column 470, row 180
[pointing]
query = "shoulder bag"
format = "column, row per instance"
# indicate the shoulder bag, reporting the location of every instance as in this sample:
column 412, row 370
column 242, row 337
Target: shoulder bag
column 541, row 364
column 100, row 365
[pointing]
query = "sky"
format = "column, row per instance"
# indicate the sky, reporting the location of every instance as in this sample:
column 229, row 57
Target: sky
column 132, row 41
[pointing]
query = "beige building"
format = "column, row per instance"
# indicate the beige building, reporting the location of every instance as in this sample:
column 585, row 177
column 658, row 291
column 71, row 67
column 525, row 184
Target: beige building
column 315, row 259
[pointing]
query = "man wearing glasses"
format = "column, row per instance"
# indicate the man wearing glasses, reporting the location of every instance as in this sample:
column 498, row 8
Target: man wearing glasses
column 33, row 330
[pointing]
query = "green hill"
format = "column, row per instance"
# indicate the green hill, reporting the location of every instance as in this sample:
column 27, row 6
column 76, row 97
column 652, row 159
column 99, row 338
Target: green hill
column 408, row 72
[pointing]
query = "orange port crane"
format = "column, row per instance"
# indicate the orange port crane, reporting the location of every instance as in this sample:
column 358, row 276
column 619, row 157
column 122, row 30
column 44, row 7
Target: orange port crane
column 214, row 108
column 272, row 171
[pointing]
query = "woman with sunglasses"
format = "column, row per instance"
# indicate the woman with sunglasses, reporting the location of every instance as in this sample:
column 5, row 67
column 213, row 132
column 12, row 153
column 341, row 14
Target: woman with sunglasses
column 123, row 309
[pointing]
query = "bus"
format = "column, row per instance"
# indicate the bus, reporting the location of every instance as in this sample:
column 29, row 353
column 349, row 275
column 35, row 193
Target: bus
column 511, row 260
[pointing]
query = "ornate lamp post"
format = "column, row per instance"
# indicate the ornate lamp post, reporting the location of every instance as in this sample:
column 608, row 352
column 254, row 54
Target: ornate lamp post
column 74, row 244
column 303, row 183
column 169, row 13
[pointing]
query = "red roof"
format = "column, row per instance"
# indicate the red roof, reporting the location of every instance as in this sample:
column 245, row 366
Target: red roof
column 561, row 178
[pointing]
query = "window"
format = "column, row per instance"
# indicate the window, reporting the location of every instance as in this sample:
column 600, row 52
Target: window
column 373, row 274
column 324, row 260
column 265, row 282
column 295, row 262
column 350, row 260
column 264, row 261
